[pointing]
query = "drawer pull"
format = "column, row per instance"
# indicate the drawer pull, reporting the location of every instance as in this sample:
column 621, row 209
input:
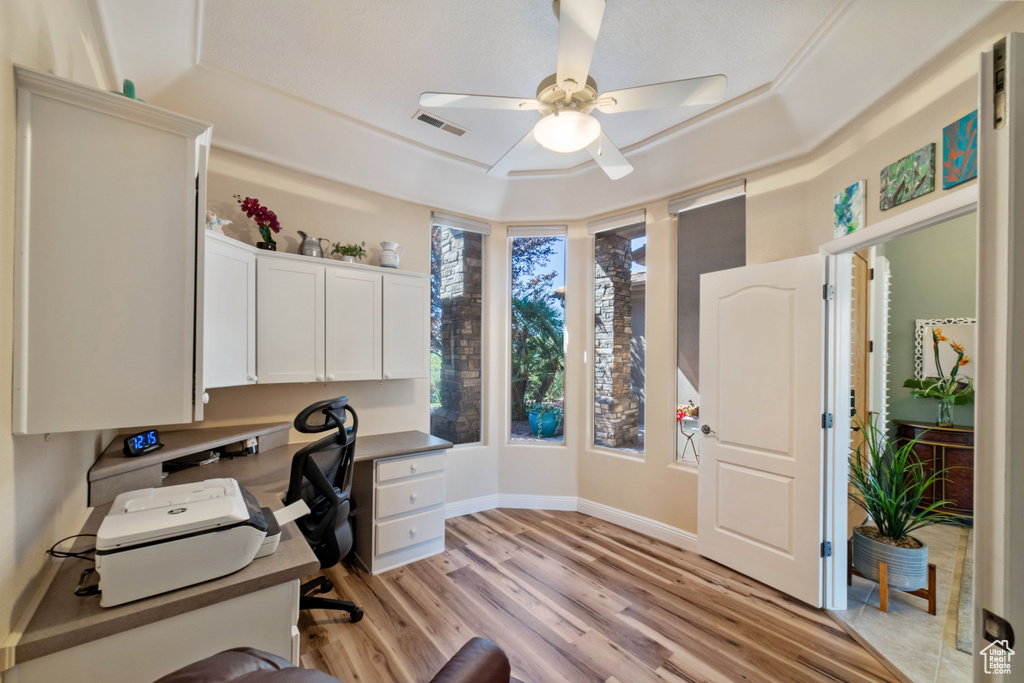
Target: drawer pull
column 412, row 468
column 412, row 497
column 412, row 532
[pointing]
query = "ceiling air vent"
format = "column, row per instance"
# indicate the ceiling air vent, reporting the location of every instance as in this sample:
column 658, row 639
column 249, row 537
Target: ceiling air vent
column 439, row 123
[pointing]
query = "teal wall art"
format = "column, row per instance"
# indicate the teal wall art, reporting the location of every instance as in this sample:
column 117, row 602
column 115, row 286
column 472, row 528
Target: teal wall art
column 960, row 151
column 849, row 209
column 909, row 178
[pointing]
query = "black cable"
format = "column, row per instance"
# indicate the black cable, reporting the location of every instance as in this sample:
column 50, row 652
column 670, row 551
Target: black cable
column 81, row 554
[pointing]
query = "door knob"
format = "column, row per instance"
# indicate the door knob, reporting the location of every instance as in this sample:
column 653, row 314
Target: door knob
column 706, row 430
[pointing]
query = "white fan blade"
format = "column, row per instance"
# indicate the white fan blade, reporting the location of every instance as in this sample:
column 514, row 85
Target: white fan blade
column 506, row 162
column 579, row 22
column 609, row 158
column 691, row 91
column 447, row 99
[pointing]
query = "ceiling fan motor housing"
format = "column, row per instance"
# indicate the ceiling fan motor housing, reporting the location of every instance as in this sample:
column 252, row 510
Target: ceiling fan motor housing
column 552, row 94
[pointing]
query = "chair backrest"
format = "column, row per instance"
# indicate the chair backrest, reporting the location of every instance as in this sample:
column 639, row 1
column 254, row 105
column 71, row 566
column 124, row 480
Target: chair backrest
column 321, row 475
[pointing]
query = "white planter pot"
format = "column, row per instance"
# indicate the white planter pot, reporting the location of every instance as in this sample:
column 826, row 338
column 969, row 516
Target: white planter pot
column 907, row 568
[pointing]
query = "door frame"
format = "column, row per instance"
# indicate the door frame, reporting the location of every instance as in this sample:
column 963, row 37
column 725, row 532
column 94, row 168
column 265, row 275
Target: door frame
column 951, row 205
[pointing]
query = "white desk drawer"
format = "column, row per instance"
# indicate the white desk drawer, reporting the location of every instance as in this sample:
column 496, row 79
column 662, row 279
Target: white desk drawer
column 395, row 468
column 406, row 531
column 409, row 496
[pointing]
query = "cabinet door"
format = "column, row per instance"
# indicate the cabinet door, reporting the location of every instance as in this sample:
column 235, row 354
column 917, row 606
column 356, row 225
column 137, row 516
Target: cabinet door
column 289, row 321
column 353, row 322
column 105, row 244
column 406, row 327
column 229, row 314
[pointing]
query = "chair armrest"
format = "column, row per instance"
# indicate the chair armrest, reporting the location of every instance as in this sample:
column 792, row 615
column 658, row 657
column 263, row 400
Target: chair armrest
column 479, row 661
column 248, row 665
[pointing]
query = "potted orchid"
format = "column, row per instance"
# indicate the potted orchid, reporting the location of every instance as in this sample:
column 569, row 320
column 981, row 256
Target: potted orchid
column 949, row 390
column 266, row 221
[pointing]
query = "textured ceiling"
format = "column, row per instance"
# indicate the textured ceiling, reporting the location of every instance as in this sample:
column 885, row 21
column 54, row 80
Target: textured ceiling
column 371, row 60
column 330, row 87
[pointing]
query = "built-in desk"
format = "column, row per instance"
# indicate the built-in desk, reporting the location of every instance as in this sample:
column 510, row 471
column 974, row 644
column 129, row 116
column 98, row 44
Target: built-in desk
column 73, row 638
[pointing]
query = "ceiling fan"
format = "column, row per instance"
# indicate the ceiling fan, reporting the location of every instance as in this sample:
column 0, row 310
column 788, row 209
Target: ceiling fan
column 566, row 98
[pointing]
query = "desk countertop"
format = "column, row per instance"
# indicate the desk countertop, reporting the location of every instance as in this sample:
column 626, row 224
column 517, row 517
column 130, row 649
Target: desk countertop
column 64, row 620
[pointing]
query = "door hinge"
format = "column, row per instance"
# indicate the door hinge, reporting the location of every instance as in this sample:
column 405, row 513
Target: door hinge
column 827, row 292
column 999, row 83
column 826, row 548
column 826, row 420
column 871, row 274
column 871, row 347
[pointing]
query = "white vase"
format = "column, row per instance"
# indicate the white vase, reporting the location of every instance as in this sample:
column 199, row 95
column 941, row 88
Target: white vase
column 348, row 259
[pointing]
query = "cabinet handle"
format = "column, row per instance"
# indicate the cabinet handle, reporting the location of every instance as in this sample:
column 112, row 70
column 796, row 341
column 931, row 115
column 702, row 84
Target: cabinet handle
column 252, row 378
column 412, row 468
column 412, row 532
column 387, row 375
column 319, row 378
column 412, row 497
column 330, row 378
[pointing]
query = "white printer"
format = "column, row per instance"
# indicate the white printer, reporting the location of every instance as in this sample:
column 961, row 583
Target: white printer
column 159, row 539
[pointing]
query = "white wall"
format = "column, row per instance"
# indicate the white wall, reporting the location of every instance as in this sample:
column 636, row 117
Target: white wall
column 42, row 480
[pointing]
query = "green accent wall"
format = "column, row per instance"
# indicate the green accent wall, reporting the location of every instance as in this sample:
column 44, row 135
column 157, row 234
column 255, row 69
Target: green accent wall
column 933, row 276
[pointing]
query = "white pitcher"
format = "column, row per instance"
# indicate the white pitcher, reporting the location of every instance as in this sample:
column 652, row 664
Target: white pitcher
column 390, row 253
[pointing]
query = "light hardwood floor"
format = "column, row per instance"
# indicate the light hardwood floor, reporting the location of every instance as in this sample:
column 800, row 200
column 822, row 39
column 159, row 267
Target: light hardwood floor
column 573, row 598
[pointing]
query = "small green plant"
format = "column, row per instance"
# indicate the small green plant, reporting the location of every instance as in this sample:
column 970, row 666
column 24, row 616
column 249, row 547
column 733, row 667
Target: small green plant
column 356, row 250
column 889, row 483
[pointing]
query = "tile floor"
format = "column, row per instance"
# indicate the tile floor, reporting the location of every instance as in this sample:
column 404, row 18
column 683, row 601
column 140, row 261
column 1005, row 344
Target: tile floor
column 922, row 646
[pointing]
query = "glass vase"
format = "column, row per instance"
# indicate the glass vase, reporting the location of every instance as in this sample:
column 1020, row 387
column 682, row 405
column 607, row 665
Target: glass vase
column 944, row 418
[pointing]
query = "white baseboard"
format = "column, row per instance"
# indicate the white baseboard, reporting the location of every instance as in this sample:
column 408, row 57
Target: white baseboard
column 663, row 532
column 644, row 525
column 468, row 507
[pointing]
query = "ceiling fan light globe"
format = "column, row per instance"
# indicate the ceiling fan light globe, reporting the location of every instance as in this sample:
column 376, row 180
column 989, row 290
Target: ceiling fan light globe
column 567, row 131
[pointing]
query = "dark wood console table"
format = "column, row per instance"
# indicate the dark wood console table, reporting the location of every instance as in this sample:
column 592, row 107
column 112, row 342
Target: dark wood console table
column 940, row 447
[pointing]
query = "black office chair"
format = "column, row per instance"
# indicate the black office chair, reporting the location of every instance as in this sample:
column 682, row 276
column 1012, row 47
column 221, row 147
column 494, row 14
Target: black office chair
column 322, row 476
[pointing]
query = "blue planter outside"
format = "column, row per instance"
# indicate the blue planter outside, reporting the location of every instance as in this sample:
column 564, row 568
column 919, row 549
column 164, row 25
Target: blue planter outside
column 543, row 425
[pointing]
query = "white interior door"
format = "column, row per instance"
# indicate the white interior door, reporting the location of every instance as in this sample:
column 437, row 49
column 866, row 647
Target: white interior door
column 998, row 426
column 761, row 369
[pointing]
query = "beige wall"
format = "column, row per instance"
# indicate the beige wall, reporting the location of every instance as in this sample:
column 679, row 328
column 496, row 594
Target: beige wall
column 42, row 479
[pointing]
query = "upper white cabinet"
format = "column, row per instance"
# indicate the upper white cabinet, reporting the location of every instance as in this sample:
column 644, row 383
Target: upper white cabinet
column 109, row 192
column 406, row 327
column 353, row 322
column 323, row 321
column 229, row 313
column 289, row 320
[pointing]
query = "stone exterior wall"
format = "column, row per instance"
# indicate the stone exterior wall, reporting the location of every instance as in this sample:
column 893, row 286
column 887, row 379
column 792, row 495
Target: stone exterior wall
column 616, row 410
column 458, row 419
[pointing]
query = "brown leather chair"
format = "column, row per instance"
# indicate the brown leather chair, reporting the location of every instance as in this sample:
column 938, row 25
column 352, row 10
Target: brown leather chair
column 479, row 661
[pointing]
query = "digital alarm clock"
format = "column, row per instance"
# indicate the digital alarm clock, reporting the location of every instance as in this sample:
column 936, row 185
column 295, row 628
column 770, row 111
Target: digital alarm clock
column 142, row 443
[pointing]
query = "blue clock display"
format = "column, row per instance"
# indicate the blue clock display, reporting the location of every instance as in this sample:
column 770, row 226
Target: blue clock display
column 142, row 443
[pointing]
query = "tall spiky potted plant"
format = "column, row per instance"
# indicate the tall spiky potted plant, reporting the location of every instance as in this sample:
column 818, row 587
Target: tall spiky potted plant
column 889, row 482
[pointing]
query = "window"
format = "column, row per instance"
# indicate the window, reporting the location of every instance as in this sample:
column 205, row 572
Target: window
column 711, row 235
column 620, row 288
column 537, row 334
column 456, row 303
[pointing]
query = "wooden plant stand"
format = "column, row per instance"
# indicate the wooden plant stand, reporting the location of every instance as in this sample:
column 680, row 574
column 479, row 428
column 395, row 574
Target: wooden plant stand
column 883, row 584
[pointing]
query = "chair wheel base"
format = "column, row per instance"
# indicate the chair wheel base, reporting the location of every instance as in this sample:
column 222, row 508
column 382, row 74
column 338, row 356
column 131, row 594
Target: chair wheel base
column 355, row 615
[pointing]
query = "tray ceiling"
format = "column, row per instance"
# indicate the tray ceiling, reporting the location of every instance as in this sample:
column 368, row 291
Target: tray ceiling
column 295, row 81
